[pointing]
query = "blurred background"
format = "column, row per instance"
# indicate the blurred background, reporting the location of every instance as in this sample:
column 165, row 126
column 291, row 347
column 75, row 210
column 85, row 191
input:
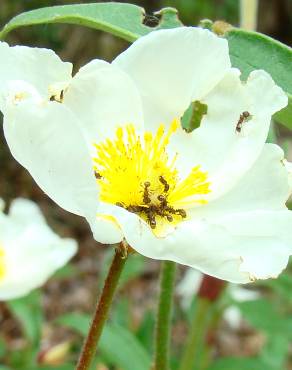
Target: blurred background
column 74, row 289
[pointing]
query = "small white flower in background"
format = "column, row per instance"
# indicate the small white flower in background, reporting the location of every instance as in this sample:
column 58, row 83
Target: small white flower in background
column 108, row 145
column 30, row 252
column 189, row 286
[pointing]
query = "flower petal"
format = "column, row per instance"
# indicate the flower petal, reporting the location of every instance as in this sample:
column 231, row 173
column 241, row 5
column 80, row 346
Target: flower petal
column 191, row 244
column 24, row 212
column 266, row 241
column 214, row 247
column 32, row 271
column 36, row 66
column 45, row 139
column 103, row 97
column 264, row 187
column 224, row 151
column 32, row 251
column 173, row 67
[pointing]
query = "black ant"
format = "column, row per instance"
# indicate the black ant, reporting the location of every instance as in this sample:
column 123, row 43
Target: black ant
column 164, row 183
column 242, row 118
column 146, row 197
column 152, row 210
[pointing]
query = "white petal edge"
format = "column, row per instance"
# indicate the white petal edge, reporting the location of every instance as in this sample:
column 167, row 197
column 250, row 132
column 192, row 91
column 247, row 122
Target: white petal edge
column 217, row 146
column 46, row 140
column 103, row 98
column 32, row 251
column 173, row 67
column 214, row 248
column 265, row 186
column 37, row 66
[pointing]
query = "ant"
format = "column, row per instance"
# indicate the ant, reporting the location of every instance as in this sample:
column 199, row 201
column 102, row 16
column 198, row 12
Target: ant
column 242, row 118
column 146, row 197
column 164, row 183
column 150, row 209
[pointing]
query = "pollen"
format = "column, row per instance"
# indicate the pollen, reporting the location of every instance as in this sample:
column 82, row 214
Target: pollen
column 2, row 263
column 134, row 171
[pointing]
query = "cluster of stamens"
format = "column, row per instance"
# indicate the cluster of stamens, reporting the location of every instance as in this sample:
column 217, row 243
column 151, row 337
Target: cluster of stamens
column 151, row 209
column 134, row 172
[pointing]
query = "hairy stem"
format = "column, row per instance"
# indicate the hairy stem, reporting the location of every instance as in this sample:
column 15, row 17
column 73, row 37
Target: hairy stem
column 164, row 313
column 101, row 311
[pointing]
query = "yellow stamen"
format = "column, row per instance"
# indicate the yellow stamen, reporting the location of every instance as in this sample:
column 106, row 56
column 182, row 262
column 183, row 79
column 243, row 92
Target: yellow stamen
column 136, row 173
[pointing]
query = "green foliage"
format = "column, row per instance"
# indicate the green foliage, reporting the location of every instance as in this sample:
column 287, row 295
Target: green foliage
column 276, row 350
column 193, row 115
column 252, row 50
column 282, row 286
column 60, row 367
column 264, row 316
column 117, row 345
column 235, row 363
column 122, row 20
column 29, row 313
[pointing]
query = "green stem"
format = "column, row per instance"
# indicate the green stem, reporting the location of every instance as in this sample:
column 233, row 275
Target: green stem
column 208, row 294
column 197, row 331
column 248, row 14
column 101, row 312
column 164, row 313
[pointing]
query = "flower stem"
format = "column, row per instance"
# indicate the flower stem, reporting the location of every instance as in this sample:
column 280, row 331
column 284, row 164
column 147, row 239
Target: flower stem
column 163, row 323
column 248, row 14
column 208, row 294
column 101, row 311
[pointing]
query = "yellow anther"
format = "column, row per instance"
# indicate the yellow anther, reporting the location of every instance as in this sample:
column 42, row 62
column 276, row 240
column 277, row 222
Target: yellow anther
column 128, row 162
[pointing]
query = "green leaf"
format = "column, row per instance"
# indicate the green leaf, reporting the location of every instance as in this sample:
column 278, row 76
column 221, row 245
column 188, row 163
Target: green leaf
column 134, row 268
column 60, row 367
column 3, row 348
column 262, row 315
column 252, row 50
column 117, row 345
column 236, row 363
column 275, row 351
column 28, row 311
column 122, row 20
column 193, row 115
column 282, row 286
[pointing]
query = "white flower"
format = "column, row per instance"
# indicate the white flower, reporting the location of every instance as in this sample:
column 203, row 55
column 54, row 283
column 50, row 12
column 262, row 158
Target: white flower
column 213, row 199
column 30, row 252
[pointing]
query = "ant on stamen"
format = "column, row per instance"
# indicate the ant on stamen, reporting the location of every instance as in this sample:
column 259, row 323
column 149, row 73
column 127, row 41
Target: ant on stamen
column 162, row 200
column 164, row 183
column 181, row 212
column 135, row 209
column 151, row 219
column 169, row 218
column 97, row 175
column 242, row 118
column 146, row 197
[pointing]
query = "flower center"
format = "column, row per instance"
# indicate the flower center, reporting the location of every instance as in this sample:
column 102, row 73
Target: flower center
column 137, row 174
column 2, row 263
